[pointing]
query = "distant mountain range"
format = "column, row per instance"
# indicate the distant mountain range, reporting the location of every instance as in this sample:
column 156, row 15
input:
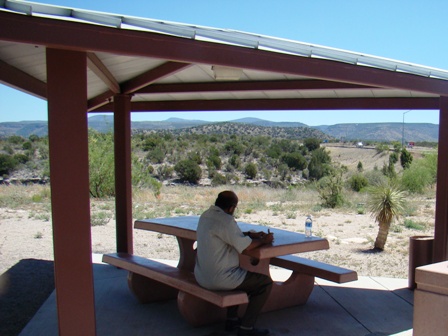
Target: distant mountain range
column 368, row 131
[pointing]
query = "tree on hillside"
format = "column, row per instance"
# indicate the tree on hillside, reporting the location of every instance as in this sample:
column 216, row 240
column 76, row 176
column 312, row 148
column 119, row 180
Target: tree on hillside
column 311, row 143
column 319, row 165
column 386, row 203
column 251, row 170
column 405, row 158
column 188, row 170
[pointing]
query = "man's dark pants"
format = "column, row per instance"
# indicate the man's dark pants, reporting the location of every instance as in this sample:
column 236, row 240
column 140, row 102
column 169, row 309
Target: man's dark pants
column 257, row 286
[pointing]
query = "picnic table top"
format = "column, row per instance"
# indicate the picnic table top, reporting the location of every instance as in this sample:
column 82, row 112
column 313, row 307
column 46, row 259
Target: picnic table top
column 285, row 242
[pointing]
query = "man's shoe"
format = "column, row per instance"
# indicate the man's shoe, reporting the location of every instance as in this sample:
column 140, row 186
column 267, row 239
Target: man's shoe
column 232, row 325
column 253, row 332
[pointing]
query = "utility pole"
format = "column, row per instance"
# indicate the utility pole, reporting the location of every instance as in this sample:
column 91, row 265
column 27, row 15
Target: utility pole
column 402, row 135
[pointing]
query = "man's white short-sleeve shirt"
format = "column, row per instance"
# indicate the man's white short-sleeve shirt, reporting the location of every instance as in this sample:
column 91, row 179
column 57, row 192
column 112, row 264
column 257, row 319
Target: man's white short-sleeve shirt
column 219, row 243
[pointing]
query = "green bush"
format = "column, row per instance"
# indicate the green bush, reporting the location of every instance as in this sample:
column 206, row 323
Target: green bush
column 101, row 162
column 218, row 179
column 311, row 144
column 188, row 170
column 357, row 182
column 294, row 160
column 7, row 164
column 405, row 159
column 319, row 165
column 251, row 170
column 330, row 189
column 420, row 175
column 214, row 161
column 155, row 155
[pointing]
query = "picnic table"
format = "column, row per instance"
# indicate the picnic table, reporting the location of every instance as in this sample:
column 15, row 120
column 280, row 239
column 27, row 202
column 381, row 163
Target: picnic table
column 151, row 281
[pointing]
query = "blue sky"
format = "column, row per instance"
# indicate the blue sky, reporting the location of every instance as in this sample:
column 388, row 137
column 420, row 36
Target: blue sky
column 405, row 30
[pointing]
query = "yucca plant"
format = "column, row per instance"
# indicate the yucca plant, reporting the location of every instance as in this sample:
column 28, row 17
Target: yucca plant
column 386, row 202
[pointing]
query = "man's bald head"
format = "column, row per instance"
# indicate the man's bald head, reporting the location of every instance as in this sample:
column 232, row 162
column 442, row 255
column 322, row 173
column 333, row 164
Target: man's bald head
column 226, row 200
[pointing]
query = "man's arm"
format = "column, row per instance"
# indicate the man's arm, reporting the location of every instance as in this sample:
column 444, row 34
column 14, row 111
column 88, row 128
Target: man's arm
column 258, row 239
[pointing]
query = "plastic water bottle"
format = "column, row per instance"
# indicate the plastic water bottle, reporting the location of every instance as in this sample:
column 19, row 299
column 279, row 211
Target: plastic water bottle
column 308, row 226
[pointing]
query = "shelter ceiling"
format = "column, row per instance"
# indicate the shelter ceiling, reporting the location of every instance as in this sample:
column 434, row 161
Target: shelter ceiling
column 173, row 71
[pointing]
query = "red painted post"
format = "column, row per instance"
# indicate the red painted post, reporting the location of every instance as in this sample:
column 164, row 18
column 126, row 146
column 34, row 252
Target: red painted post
column 69, row 173
column 123, row 173
column 441, row 225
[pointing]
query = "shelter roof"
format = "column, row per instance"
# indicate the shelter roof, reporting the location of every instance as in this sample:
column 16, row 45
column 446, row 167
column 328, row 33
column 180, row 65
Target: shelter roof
column 170, row 66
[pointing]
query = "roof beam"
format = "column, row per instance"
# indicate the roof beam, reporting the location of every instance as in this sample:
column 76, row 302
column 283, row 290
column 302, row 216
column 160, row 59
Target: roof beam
column 279, row 85
column 283, row 104
column 150, row 76
column 22, row 81
column 103, row 73
column 78, row 36
column 136, row 83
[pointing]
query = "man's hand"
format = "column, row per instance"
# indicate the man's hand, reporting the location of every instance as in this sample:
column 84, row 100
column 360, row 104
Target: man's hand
column 265, row 238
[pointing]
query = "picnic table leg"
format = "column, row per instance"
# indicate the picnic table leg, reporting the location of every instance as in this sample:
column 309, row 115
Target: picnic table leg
column 292, row 292
column 187, row 254
column 198, row 312
column 147, row 290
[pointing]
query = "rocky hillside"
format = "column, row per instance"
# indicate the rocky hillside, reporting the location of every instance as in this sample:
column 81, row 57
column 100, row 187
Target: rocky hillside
column 417, row 132
column 231, row 128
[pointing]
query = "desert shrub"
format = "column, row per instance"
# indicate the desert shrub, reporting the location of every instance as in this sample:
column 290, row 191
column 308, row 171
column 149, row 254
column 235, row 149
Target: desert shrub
column 188, row 170
column 294, row 160
column 381, row 148
column 410, row 224
column 27, row 145
column 375, row 177
column 101, row 164
column 100, row 218
column 420, row 175
column 235, row 160
column 234, row 147
column 214, row 161
column 251, row 170
column 405, row 158
column 393, row 158
column 357, row 182
column 21, row 158
column 311, row 144
column 16, row 139
column 7, row 164
column 218, row 179
column 319, row 165
column 196, row 157
column 330, row 189
column 155, row 155
column 165, row 172
column 360, row 167
column 141, row 178
column 389, row 170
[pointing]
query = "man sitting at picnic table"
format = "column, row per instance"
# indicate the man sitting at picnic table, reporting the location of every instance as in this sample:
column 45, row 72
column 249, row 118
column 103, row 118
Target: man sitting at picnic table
column 219, row 243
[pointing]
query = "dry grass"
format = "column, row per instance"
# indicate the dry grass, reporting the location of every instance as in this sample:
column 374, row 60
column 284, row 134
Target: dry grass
column 25, row 216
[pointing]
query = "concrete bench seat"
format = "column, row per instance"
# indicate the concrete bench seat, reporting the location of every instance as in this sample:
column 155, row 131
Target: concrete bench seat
column 151, row 281
column 315, row 268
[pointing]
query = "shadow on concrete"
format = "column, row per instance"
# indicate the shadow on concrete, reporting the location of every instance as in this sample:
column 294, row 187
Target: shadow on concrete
column 23, row 290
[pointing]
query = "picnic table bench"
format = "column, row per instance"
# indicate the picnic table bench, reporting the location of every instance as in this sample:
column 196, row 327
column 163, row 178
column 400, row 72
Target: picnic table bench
column 150, row 280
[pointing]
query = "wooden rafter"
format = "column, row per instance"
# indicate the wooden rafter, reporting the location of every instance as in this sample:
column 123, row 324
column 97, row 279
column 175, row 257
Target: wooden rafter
column 283, row 104
column 152, row 75
column 137, row 83
column 277, row 85
column 22, row 81
column 95, row 64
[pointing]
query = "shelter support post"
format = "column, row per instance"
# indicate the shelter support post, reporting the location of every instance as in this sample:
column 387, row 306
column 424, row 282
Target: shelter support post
column 441, row 225
column 69, row 169
column 123, row 172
